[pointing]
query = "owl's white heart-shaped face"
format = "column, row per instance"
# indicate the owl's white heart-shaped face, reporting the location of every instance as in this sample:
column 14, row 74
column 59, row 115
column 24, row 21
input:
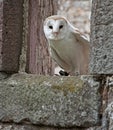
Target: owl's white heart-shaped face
column 55, row 28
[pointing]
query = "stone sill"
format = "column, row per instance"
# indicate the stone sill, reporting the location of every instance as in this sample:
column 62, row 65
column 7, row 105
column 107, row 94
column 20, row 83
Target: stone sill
column 50, row 101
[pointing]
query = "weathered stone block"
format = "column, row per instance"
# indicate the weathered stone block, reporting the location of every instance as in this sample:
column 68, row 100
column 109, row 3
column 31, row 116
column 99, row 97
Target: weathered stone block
column 11, row 15
column 52, row 101
column 102, row 37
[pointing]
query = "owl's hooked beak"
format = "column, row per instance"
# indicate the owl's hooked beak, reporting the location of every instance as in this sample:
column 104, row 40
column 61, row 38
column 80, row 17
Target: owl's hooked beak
column 55, row 34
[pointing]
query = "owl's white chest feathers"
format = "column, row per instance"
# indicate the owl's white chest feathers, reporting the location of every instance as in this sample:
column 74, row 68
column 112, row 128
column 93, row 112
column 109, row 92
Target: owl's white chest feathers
column 64, row 50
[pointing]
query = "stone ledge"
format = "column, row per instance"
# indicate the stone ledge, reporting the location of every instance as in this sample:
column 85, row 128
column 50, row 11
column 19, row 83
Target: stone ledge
column 51, row 101
column 12, row 126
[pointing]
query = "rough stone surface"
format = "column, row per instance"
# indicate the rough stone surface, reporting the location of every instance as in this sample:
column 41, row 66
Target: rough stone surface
column 107, row 105
column 109, row 109
column 53, row 101
column 10, row 34
column 1, row 26
column 23, row 55
column 3, row 75
column 102, row 37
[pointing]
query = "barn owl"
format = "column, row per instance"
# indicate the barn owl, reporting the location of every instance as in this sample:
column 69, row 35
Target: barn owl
column 67, row 46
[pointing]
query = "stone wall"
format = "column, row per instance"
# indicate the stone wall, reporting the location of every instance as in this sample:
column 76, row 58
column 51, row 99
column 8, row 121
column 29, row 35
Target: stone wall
column 102, row 37
column 32, row 102
column 62, row 102
column 11, row 24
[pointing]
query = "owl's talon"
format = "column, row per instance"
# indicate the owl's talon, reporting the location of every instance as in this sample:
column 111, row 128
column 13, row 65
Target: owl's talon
column 63, row 73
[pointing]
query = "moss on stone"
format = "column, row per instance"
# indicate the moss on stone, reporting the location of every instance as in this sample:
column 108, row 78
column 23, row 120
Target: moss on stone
column 70, row 84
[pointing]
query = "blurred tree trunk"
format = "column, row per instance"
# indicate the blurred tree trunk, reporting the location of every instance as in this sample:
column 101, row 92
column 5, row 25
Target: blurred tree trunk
column 38, row 59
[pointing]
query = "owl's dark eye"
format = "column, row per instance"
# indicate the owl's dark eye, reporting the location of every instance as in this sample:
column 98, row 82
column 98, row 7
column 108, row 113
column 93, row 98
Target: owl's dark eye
column 61, row 26
column 51, row 27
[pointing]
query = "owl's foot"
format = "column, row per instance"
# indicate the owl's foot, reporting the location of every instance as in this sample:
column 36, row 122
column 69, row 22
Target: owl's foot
column 63, row 73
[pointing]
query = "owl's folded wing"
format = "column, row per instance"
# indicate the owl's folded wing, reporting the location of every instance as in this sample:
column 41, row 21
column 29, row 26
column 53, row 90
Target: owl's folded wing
column 78, row 35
